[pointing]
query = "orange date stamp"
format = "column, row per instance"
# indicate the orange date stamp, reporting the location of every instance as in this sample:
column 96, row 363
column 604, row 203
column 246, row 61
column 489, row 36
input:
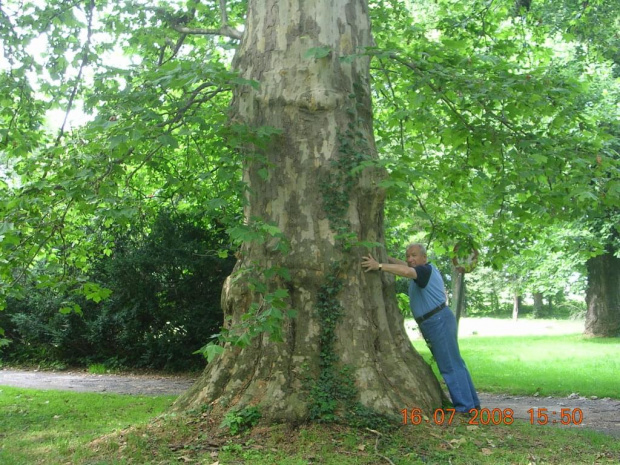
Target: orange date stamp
column 496, row 416
column 564, row 416
column 445, row 417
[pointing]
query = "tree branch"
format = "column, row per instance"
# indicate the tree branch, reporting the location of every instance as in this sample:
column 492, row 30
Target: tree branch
column 452, row 106
column 430, row 218
column 223, row 13
column 193, row 99
column 10, row 30
column 144, row 162
column 85, row 52
column 222, row 31
column 225, row 30
column 175, row 50
column 400, row 121
column 434, row 88
column 20, row 274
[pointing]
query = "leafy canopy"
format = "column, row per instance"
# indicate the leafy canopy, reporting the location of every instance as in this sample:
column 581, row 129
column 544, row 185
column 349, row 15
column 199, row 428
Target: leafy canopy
column 493, row 121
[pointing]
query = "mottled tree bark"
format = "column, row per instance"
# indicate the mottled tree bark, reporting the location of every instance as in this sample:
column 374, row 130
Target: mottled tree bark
column 322, row 105
column 603, row 296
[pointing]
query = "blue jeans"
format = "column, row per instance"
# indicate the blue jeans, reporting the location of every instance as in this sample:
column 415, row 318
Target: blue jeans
column 440, row 334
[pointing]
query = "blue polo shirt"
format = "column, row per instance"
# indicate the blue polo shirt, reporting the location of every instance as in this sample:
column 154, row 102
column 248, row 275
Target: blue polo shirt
column 427, row 291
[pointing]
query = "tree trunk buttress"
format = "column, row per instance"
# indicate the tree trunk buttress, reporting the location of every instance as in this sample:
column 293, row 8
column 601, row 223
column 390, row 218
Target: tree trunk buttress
column 322, row 105
column 603, row 296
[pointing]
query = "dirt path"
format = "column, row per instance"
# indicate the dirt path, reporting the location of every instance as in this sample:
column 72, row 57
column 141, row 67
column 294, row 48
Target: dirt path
column 84, row 382
column 602, row 415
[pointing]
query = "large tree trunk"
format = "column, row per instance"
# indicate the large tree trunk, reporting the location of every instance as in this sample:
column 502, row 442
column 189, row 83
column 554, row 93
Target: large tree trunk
column 322, row 106
column 603, row 296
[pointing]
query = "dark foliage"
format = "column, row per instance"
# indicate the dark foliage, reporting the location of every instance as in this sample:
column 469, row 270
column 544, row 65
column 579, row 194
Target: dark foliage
column 166, row 285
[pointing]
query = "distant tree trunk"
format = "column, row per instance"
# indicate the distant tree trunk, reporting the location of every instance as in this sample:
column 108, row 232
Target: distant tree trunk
column 301, row 182
column 496, row 306
column 516, row 305
column 538, row 304
column 458, row 295
column 603, row 296
column 550, row 305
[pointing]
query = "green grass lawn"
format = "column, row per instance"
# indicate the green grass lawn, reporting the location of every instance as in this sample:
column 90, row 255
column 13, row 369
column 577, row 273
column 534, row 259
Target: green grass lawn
column 49, row 427
column 54, row 427
column 549, row 365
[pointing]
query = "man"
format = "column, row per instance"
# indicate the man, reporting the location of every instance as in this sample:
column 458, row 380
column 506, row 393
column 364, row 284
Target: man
column 427, row 299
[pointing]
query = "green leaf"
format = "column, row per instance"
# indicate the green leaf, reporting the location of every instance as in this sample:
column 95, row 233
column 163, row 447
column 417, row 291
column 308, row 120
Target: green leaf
column 214, row 204
column 71, row 308
column 318, row 52
column 272, row 230
column 96, row 293
column 280, row 293
column 116, row 141
column 246, row 82
column 5, row 227
column 210, row 351
column 243, row 341
column 168, row 141
column 284, row 273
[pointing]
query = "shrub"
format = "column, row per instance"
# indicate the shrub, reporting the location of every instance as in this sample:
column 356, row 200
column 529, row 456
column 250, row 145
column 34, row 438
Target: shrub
column 166, row 282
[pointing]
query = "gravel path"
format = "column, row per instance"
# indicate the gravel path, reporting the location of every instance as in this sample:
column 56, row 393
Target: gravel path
column 84, row 382
column 602, row 415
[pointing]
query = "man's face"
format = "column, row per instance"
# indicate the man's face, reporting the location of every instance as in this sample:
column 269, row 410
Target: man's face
column 415, row 256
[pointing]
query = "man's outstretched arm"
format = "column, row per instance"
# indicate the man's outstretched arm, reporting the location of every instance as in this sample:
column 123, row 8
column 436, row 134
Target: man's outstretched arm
column 370, row 264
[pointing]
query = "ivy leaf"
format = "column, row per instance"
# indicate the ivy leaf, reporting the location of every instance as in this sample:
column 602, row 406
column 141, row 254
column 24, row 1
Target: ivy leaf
column 318, row 52
column 210, row 351
column 246, row 82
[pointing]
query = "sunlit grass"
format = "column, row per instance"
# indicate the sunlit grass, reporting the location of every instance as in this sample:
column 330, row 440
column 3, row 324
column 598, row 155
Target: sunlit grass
column 43, row 426
column 55, row 427
column 549, row 365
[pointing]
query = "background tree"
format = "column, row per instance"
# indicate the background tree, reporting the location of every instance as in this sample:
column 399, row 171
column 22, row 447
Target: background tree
column 596, row 54
column 511, row 132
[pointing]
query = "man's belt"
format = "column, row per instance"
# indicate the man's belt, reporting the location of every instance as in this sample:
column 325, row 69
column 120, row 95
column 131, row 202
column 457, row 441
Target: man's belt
column 426, row 316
